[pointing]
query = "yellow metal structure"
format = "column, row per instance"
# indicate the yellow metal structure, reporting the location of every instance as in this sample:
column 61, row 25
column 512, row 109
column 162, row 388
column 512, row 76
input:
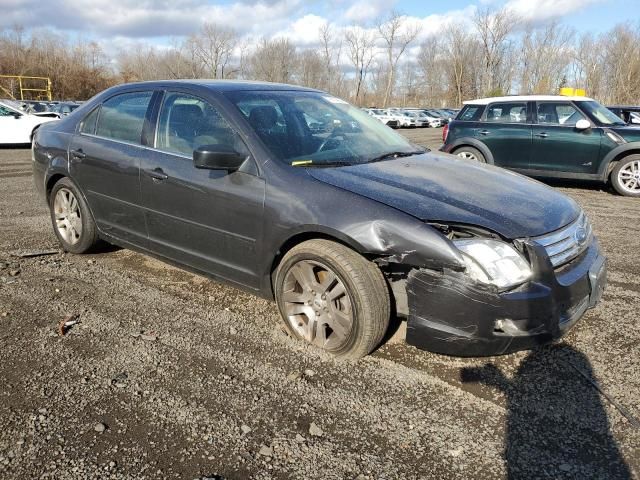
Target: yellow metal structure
column 573, row 92
column 29, row 86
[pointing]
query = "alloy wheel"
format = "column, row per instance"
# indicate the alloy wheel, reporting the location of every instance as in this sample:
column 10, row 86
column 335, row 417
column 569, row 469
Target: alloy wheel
column 67, row 216
column 317, row 305
column 468, row 156
column 629, row 177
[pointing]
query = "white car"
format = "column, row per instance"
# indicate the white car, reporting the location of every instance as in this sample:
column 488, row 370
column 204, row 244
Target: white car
column 384, row 117
column 16, row 126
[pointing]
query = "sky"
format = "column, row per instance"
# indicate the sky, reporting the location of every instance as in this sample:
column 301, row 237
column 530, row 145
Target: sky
column 122, row 23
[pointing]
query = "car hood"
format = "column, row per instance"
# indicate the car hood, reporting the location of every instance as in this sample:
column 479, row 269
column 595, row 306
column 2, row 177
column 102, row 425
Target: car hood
column 442, row 188
column 630, row 133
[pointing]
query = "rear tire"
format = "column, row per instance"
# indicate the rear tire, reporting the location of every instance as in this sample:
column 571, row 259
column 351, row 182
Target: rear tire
column 470, row 153
column 71, row 218
column 625, row 176
column 332, row 297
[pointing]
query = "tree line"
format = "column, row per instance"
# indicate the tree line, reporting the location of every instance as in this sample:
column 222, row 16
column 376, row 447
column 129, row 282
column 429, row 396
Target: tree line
column 388, row 62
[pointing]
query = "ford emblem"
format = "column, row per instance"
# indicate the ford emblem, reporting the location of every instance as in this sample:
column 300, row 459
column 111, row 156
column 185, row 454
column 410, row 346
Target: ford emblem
column 580, row 236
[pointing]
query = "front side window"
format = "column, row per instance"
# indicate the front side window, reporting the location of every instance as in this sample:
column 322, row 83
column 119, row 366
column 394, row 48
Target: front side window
column 314, row 129
column 558, row 113
column 122, row 117
column 187, row 122
column 507, row 112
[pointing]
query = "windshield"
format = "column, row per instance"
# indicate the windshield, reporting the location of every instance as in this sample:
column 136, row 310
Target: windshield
column 10, row 106
column 341, row 134
column 600, row 113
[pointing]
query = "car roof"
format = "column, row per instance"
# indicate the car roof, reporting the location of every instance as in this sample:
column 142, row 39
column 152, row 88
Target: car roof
column 222, row 85
column 525, row 98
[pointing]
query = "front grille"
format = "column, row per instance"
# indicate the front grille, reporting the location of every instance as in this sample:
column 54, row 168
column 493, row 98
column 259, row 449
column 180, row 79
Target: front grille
column 567, row 243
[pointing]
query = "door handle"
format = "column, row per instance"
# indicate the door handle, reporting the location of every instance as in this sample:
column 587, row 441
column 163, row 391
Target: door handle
column 79, row 154
column 157, row 174
column 484, row 132
column 542, row 135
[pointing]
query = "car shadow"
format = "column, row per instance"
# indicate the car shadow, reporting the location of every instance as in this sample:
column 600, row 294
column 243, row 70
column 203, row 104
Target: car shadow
column 556, row 426
column 15, row 146
column 591, row 185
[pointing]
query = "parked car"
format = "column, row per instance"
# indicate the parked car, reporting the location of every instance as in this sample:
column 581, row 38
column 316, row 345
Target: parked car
column 65, row 108
column 549, row 136
column 40, row 108
column 340, row 229
column 16, row 126
column 627, row 113
column 434, row 118
column 384, row 117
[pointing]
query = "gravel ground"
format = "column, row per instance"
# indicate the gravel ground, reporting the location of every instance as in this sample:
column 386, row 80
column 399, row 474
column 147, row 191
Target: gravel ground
column 170, row 375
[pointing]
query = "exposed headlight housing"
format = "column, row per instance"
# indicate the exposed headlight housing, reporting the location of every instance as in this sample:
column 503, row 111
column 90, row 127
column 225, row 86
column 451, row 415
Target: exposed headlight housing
column 494, row 262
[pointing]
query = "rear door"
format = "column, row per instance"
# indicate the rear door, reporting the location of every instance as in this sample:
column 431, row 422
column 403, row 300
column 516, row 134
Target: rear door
column 558, row 146
column 210, row 220
column 104, row 159
column 505, row 130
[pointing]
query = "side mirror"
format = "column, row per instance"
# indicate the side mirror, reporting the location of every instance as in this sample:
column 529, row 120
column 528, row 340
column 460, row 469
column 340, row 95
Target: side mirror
column 217, row 157
column 17, row 115
column 583, row 124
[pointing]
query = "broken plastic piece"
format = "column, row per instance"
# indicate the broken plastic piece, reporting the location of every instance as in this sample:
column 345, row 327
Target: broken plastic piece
column 67, row 322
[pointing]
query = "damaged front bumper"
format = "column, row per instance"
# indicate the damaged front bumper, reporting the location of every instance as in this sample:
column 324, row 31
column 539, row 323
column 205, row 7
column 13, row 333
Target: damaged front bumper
column 451, row 314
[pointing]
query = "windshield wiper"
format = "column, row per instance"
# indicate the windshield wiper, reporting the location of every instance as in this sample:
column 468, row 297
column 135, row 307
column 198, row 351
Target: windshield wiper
column 310, row 164
column 390, row 155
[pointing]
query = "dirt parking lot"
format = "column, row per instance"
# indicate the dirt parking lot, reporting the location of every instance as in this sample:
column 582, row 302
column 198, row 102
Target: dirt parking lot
column 170, row 375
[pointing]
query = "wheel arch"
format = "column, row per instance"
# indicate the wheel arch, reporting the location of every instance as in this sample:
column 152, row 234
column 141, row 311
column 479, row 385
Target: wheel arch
column 614, row 156
column 296, row 238
column 472, row 142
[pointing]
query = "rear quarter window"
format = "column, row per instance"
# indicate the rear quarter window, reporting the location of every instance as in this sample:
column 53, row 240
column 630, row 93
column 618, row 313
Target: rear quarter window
column 470, row 113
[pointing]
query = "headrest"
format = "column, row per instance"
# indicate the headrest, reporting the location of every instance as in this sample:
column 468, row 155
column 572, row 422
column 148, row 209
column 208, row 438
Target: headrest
column 263, row 117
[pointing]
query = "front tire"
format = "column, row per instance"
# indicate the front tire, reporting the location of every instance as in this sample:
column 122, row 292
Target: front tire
column 625, row 177
column 332, row 297
column 71, row 218
column 470, row 153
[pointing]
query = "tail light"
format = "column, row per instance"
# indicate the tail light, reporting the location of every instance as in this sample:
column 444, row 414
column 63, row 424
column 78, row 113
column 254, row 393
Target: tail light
column 445, row 132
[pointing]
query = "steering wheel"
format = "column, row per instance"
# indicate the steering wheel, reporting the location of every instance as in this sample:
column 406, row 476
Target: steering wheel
column 332, row 136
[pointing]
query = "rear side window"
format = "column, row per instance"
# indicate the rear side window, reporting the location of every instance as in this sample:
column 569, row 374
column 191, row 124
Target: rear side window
column 507, row 112
column 122, row 117
column 88, row 124
column 470, row 113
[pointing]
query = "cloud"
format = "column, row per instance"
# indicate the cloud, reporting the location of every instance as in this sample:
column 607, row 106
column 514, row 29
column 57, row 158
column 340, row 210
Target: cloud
column 304, row 31
column 147, row 18
column 366, row 10
column 541, row 11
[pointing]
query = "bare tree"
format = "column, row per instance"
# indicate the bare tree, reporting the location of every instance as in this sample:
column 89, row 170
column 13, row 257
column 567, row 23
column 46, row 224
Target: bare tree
column 330, row 51
column 397, row 33
column 460, row 50
column 360, row 43
column 622, row 63
column 494, row 29
column 213, row 46
column 274, row 60
column 546, row 57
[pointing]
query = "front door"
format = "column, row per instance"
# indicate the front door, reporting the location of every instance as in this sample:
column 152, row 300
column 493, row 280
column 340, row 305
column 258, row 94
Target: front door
column 507, row 134
column 558, row 146
column 210, row 220
column 104, row 158
column 12, row 128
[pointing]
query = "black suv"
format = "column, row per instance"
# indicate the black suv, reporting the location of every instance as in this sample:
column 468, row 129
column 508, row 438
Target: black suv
column 549, row 136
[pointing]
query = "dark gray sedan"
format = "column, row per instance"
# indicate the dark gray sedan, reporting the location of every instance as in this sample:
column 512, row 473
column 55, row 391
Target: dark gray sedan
column 343, row 225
